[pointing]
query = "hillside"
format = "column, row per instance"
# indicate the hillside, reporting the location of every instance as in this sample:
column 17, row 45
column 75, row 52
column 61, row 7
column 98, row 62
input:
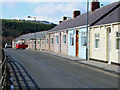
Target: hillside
column 14, row 28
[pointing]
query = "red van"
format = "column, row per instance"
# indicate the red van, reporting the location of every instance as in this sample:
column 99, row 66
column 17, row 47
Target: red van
column 20, row 46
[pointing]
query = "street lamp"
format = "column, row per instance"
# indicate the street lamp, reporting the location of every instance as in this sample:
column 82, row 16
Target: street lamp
column 87, row 30
column 34, row 31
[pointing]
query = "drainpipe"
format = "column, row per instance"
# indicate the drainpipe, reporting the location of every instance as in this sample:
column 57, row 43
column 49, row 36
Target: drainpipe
column 87, row 49
column 60, row 42
column 49, row 42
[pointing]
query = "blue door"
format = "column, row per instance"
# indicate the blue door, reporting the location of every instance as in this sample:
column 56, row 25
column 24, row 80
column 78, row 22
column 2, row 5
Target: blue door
column 82, row 43
column 71, row 43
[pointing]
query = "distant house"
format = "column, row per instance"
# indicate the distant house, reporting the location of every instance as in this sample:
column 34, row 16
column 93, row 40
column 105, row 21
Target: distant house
column 57, row 39
column 40, row 40
column 29, row 39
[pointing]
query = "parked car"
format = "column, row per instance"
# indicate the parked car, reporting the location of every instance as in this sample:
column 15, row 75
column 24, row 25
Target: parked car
column 7, row 45
column 20, row 46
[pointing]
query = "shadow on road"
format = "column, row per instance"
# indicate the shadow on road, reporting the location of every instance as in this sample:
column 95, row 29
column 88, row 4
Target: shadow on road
column 21, row 78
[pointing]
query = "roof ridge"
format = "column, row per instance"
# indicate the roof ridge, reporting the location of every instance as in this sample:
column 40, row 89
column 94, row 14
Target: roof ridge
column 107, row 13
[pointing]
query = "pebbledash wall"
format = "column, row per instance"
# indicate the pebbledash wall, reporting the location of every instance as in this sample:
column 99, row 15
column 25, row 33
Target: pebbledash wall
column 104, row 51
column 60, row 42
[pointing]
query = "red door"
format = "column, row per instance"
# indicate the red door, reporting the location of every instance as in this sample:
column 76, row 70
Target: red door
column 77, row 43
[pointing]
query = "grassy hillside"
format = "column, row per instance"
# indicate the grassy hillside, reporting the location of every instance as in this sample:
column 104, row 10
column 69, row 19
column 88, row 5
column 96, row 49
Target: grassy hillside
column 14, row 28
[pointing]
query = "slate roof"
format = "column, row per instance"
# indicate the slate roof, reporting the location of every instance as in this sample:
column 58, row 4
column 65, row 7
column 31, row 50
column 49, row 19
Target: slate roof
column 111, row 18
column 39, row 35
column 25, row 36
column 94, row 17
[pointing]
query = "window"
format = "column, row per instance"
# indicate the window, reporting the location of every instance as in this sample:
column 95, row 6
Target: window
column 64, row 39
column 97, row 39
column 83, row 39
column 71, row 39
column 118, row 40
column 52, row 40
column 57, row 39
column 47, row 40
column 38, row 42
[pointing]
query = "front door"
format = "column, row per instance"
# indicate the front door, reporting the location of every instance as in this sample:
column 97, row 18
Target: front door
column 109, row 45
column 77, row 44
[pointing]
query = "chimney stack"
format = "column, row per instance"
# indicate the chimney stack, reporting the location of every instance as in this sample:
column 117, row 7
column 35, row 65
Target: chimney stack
column 95, row 5
column 76, row 13
column 64, row 18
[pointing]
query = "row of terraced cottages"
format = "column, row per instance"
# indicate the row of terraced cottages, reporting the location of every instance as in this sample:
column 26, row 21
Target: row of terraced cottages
column 29, row 39
column 70, row 36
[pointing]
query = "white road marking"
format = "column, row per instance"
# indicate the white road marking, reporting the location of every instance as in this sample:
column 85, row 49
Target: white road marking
column 54, row 68
column 73, row 79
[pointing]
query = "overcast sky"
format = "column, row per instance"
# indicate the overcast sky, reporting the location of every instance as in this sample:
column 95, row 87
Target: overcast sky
column 49, row 10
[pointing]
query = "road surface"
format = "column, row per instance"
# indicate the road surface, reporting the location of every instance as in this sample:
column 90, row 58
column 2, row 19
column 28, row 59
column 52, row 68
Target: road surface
column 54, row 72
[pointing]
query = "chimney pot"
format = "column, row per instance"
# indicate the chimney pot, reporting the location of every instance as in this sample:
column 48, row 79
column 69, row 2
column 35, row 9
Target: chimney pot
column 64, row 18
column 76, row 13
column 60, row 22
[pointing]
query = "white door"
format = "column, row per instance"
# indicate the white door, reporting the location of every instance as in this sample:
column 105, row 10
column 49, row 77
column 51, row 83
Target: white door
column 109, row 45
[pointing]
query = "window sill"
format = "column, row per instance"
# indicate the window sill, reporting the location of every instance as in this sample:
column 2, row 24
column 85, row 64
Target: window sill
column 96, row 49
column 118, row 51
column 84, row 46
column 64, row 43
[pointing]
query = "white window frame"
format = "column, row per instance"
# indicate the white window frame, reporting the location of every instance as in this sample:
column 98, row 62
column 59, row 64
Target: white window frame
column 83, row 34
column 71, row 38
column 117, row 37
column 64, row 39
column 57, row 39
column 52, row 38
column 97, row 37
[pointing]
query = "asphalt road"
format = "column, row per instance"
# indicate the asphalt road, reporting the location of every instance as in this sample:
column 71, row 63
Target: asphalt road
column 54, row 72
